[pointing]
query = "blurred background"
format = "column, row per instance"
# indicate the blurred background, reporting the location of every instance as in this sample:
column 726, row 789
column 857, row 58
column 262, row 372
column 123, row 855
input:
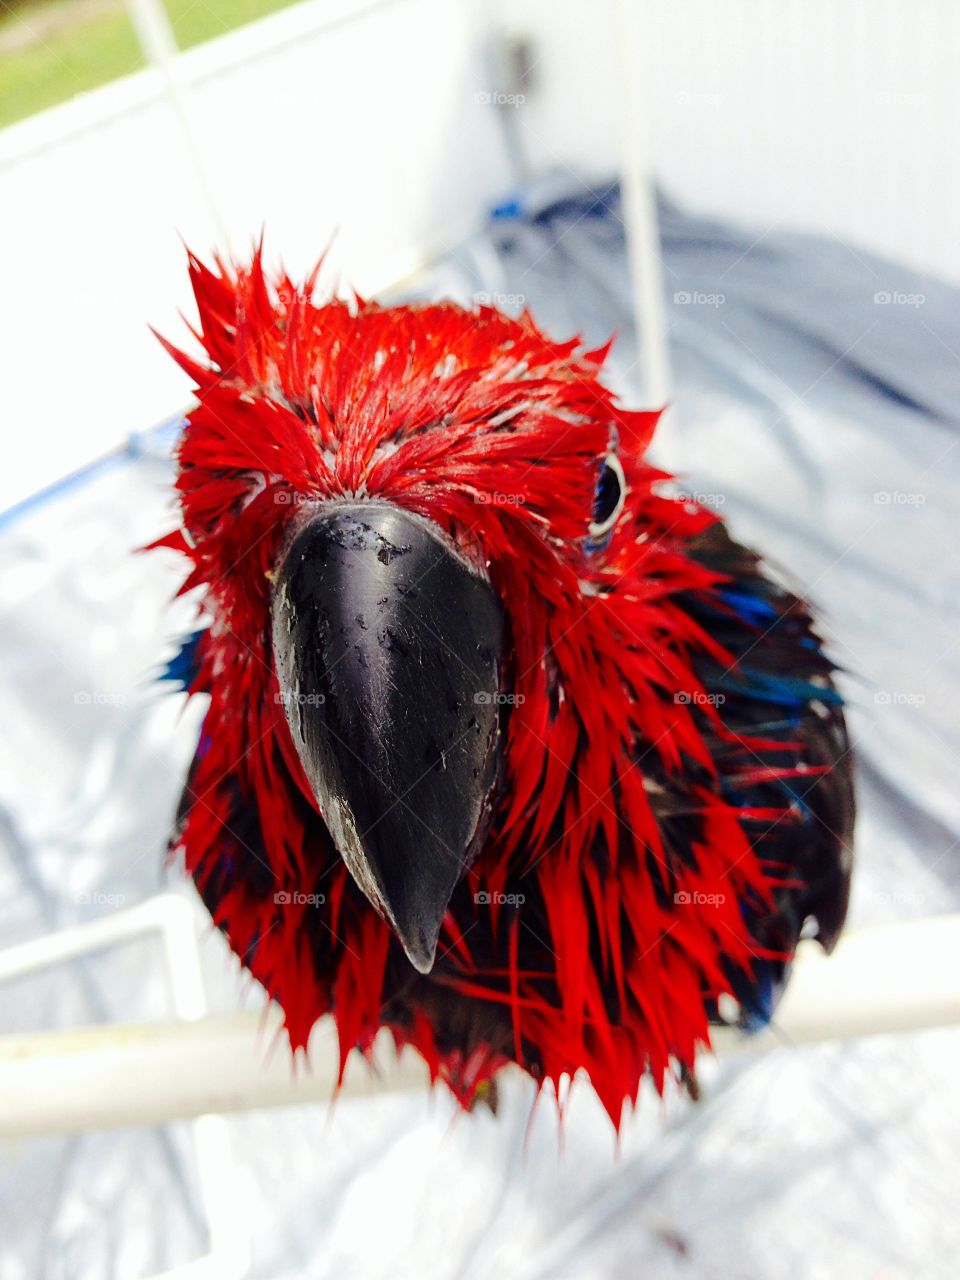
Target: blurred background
column 760, row 199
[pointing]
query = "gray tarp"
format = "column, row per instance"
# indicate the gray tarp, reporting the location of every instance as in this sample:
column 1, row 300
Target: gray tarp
column 817, row 405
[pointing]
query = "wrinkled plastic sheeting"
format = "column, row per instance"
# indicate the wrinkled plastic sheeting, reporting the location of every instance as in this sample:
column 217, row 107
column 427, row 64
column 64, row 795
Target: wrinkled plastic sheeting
column 817, row 409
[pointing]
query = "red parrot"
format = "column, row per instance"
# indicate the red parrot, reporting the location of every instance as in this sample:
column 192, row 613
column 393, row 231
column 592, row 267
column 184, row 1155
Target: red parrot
column 509, row 746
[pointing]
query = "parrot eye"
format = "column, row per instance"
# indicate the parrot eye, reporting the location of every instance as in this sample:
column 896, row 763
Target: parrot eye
column 608, row 502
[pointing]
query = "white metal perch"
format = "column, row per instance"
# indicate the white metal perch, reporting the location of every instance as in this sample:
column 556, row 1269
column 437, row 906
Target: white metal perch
column 894, row 978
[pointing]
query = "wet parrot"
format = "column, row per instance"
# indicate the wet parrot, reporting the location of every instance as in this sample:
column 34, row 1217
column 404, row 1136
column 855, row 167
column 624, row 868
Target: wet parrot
column 509, row 747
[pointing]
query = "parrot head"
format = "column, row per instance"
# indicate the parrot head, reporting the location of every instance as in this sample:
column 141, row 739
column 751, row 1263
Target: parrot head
column 412, row 492
column 460, row 771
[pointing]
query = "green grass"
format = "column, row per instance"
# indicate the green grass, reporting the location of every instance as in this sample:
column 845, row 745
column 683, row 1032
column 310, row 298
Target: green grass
column 78, row 46
column 194, row 21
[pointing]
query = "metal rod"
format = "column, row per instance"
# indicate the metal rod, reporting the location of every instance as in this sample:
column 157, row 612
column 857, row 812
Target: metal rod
column 891, row 979
column 640, row 208
column 154, row 31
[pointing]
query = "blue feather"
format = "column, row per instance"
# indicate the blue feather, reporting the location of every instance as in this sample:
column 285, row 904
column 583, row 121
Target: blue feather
column 185, row 663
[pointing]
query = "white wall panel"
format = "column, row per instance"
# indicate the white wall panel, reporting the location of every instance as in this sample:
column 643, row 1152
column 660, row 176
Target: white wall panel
column 839, row 116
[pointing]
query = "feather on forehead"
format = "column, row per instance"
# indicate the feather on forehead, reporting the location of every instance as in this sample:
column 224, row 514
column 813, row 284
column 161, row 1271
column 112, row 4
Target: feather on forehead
column 354, row 397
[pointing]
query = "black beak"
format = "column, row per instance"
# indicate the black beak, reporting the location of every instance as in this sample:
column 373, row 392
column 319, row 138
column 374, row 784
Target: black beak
column 388, row 646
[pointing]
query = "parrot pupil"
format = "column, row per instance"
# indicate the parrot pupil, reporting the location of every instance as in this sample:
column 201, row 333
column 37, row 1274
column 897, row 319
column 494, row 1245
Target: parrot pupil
column 607, row 503
column 608, row 495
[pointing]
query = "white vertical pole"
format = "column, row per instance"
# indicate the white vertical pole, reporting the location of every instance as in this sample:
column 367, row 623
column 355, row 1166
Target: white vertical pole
column 639, row 207
column 152, row 25
column 158, row 42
